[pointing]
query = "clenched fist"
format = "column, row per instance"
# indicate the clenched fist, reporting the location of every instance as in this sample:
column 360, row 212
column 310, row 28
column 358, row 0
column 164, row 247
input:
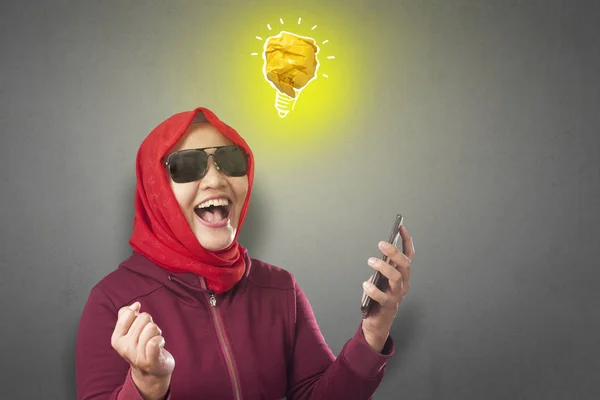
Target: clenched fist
column 140, row 342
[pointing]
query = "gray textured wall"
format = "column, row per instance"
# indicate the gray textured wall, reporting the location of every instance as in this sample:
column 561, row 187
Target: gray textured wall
column 482, row 128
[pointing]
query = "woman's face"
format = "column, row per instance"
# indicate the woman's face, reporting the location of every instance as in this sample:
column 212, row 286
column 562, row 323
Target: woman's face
column 214, row 230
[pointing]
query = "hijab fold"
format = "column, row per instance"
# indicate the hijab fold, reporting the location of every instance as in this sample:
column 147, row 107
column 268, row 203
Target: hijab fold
column 160, row 230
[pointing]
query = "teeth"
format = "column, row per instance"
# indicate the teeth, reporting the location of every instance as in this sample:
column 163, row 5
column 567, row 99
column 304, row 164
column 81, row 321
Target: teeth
column 213, row 202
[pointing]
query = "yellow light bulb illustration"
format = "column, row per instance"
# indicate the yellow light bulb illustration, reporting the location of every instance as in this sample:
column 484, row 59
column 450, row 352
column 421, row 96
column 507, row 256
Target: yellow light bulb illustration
column 290, row 64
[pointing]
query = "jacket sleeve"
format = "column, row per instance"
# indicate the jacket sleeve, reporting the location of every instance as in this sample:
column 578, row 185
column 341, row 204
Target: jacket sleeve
column 315, row 373
column 101, row 373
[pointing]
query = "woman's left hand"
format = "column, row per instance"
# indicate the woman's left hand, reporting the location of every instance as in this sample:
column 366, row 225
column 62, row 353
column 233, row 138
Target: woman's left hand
column 376, row 326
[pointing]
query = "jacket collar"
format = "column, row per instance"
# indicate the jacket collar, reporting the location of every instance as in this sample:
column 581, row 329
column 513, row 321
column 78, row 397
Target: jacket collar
column 180, row 283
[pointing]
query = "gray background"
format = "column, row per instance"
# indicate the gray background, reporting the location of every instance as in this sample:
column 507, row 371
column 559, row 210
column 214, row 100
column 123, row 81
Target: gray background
column 485, row 137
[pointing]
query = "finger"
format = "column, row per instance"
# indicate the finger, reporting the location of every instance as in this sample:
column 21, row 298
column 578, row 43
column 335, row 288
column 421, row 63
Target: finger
column 400, row 259
column 373, row 292
column 404, row 291
column 392, row 274
column 395, row 255
column 138, row 326
column 150, row 331
column 133, row 307
column 408, row 247
column 125, row 318
column 405, row 272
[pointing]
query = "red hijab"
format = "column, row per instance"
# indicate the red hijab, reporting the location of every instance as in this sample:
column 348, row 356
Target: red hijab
column 160, row 230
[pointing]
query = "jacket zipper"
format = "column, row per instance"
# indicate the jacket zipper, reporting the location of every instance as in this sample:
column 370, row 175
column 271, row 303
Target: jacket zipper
column 223, row 341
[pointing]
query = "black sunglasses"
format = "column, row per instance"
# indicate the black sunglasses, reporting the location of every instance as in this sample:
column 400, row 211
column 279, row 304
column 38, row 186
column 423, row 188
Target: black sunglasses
column 191, row 165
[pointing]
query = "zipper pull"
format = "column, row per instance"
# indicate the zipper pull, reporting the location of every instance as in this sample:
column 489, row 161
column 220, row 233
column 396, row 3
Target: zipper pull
column 213, row 300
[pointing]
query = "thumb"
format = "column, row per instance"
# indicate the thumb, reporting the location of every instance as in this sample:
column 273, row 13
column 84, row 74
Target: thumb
column 158, row 357
column 154, row 349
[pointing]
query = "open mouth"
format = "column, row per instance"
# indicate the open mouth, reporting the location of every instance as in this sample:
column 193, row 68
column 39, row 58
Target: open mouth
column 214, row 210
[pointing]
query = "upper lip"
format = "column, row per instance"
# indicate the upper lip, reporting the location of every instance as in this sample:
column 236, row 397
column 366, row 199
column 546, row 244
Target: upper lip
column 217, row 196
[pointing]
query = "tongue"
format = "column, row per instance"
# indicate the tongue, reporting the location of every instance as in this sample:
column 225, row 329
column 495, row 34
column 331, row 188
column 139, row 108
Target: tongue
column 216, row 214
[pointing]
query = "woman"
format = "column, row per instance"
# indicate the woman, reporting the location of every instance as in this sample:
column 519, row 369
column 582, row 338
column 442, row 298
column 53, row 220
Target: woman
column 191, row 316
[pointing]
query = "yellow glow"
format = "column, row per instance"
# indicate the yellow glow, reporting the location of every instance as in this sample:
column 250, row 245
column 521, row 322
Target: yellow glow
column 327, row 109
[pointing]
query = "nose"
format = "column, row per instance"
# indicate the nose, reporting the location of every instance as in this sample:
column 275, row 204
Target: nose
column 214, row 177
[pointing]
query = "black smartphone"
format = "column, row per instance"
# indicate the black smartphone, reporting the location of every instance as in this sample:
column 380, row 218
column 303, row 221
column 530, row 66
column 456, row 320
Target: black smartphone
column 377, row 278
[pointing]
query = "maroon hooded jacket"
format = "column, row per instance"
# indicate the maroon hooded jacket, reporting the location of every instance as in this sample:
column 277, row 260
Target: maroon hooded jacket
column 259, row 340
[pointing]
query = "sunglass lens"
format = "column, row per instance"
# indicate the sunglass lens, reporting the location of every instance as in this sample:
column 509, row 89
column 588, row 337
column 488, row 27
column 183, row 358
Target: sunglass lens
column 187, row 165
column 232, row 160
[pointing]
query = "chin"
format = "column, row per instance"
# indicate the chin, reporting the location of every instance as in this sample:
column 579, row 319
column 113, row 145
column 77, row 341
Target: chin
column 216, row 241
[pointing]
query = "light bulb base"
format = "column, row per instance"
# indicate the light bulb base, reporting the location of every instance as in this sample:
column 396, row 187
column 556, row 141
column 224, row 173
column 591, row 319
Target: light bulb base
column 284, row 104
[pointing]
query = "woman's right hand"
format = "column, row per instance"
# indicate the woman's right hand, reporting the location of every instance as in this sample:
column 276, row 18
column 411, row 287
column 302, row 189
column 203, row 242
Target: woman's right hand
column 140, row 342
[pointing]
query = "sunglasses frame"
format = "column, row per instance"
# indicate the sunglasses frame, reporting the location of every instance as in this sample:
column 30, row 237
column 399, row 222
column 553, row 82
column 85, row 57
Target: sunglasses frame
column 166, row 161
